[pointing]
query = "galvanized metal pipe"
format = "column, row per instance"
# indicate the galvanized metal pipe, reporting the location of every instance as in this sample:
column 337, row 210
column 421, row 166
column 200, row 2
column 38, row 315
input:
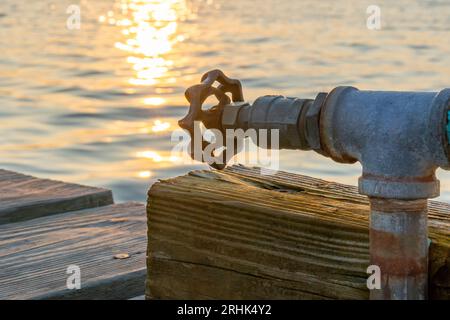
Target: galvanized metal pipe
column 399, row 247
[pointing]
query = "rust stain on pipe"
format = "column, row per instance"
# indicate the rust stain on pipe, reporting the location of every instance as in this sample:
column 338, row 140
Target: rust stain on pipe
column 399, row 246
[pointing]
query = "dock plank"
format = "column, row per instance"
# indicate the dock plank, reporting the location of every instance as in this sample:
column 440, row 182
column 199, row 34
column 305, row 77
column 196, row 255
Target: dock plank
column 35, row 254
column 24, row 197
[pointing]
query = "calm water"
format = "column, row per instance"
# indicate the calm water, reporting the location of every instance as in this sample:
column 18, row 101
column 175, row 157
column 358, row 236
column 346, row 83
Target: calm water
column 98, row 105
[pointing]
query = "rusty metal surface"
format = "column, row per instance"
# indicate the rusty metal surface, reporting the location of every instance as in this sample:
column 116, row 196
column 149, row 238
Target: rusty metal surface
column 196, row 96
column 399, row 246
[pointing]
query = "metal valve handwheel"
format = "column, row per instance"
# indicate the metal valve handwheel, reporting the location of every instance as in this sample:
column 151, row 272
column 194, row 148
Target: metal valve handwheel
column 211, row 119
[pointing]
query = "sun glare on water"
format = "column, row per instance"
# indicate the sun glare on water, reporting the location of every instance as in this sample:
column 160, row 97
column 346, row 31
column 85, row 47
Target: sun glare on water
column 150, row 31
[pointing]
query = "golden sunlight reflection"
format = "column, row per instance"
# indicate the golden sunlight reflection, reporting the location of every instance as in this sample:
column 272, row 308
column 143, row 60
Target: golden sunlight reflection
column 160, row 126
column 157, row 157
column 153, row 155
column 144, row 174
column 154, row 101
column 150, row 31
column 111, row 132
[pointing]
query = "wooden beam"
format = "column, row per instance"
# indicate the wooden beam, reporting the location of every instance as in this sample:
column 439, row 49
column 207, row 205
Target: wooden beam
column 237, row 234
column 35, row 255
column 24, row 197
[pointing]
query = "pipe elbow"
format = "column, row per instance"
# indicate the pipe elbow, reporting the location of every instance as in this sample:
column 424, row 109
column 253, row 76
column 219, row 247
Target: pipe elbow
column 400, row 139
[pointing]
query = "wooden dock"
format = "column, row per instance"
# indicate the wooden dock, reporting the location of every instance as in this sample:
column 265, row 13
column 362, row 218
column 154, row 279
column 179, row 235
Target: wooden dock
column 24, row 197
column 46, row 226
column 237, row 234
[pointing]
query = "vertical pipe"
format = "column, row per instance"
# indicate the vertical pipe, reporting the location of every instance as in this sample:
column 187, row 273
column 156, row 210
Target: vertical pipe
column 399, row 247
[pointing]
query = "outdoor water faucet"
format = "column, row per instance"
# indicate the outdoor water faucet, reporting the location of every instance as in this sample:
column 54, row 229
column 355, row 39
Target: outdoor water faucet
column 399, row 138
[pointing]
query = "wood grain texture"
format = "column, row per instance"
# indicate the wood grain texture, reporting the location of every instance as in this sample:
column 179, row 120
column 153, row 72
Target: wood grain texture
column 35, row 254
column 24, row 197
column 237, row 234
